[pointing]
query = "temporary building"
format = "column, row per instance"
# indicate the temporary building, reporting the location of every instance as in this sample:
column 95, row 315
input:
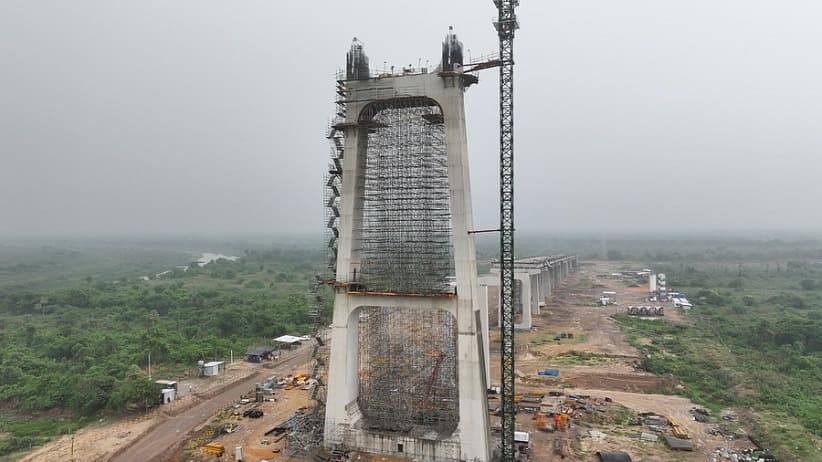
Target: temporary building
column 212, row 368
column 258, row 354
column 167, row 395
column 291, row 341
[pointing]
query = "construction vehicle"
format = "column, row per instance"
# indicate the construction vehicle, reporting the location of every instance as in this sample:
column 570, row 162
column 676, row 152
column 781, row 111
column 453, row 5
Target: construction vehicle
column 607, row 298
column 680, row 301
column 542, row 423
column 560, row 421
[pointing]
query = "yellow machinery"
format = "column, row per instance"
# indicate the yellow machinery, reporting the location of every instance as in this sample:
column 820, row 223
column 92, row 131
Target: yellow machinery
column 216, row 449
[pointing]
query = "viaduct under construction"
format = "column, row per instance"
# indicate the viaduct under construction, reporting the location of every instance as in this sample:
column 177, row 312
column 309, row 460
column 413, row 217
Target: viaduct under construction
column 408, row 369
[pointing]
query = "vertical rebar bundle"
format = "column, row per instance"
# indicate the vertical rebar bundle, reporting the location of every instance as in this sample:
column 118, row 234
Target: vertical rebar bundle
column 408, row 371
column 406, row 232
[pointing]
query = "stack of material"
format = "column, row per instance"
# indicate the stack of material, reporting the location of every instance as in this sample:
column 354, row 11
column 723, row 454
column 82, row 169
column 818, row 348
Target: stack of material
column 678, row 444
column 654, row 422
column 678, row 430
column 530, row 403
column 216, row 449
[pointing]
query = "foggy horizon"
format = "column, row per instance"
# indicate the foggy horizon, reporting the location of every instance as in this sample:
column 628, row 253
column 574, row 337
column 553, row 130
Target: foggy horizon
column 203, row 118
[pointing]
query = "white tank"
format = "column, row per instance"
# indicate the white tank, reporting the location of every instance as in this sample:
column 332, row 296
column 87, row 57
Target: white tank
column 238, row 453
column 652, row 283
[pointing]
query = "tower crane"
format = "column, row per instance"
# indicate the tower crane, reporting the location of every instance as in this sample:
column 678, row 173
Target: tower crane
column 506, row 24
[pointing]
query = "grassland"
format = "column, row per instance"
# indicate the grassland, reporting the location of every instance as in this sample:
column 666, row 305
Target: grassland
column 753, row 342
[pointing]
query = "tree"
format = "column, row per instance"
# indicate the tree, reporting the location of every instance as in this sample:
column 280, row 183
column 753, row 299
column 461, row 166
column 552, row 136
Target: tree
column 136, row 390
column 91, row 394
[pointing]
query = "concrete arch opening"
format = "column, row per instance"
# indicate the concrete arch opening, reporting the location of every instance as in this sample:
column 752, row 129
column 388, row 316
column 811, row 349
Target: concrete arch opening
column 407, row 371
column 406, row 237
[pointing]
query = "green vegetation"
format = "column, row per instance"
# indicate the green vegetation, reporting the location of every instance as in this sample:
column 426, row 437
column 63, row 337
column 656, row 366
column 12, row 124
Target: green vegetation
column 578, row 358
column 71, row 351
column 754, row 339
column 77, row 322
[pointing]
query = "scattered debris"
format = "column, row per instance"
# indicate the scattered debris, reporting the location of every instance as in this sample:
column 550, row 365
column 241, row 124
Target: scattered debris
column 226, row 428
column 677, row 443
column 562, row 448
column 648, row 436
column 701, row 414
column 253, row 413
column 614, row 456
column 741, row 455
column 597, row 435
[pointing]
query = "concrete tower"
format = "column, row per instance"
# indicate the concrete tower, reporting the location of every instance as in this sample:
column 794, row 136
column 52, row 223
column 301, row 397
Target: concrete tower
column 407, row 374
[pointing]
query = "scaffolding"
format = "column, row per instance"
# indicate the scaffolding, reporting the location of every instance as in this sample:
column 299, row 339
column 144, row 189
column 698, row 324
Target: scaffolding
column 406, row 235
column 333, row 182
column 306, row 435
column 408, row 371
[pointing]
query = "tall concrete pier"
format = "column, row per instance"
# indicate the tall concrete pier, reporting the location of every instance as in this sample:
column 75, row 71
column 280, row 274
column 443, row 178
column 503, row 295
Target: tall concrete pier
column 407, row 375
column 536, row 278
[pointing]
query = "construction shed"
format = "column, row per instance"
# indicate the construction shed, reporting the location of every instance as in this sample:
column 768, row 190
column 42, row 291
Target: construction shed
column 260, row 354
column 291, row 341
column 613, row 456
column 213, row 368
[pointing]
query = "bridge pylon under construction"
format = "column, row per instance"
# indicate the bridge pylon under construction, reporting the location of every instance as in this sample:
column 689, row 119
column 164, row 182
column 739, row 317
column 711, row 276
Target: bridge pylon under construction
column 407, row 373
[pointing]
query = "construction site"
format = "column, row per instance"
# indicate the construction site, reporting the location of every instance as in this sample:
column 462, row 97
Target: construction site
column 412, row 369
column 427, row 360
column 581, row 395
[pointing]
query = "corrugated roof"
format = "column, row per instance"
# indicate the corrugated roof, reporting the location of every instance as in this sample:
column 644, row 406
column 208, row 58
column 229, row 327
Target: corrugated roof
column 290, row 339
column 260, row 351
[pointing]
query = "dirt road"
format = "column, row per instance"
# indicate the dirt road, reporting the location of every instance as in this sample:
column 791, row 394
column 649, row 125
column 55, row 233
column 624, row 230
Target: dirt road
column 160, row 443
column 598, row 361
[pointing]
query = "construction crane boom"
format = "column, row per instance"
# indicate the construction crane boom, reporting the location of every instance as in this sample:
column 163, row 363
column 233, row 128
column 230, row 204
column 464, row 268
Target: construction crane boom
column 506, row 25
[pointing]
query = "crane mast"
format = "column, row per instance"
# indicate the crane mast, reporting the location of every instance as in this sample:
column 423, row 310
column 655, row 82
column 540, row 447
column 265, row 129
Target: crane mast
column 506, row 25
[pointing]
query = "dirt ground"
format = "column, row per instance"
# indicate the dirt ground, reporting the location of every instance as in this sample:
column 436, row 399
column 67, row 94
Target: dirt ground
column 595, row 361
column 108, row 440
column 598, row 362
column 250, row 432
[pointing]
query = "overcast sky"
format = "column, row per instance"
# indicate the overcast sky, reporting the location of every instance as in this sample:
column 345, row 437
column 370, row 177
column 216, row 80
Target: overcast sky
column 210, row 116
